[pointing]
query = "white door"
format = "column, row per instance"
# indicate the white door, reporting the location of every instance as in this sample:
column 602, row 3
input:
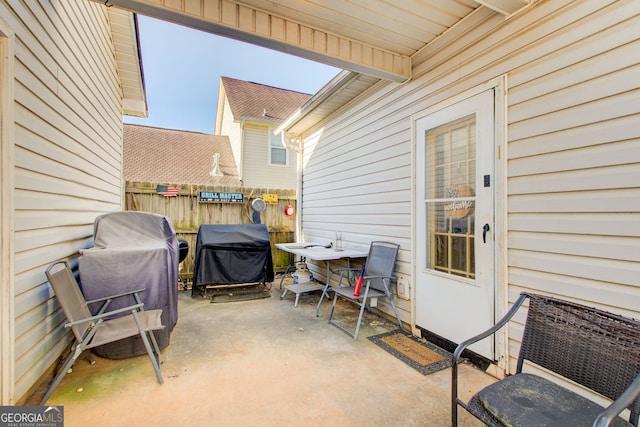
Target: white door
column 455, row 286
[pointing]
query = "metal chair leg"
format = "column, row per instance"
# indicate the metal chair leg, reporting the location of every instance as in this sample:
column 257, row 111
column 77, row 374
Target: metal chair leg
column 154, row 353
column 68, row 363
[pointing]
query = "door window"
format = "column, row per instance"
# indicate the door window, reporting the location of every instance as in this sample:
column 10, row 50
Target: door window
column 450, row 180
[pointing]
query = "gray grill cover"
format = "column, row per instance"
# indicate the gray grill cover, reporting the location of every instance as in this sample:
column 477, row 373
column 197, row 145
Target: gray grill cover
column 133, row 250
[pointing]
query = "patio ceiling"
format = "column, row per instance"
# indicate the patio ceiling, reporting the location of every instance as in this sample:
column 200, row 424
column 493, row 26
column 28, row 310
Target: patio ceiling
column 374, row 37
column 369, row 39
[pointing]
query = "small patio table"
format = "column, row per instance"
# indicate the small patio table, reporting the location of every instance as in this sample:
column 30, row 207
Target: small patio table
column 319, row 252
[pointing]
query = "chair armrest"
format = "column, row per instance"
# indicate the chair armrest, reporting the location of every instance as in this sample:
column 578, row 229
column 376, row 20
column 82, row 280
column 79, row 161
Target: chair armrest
column 377, row 277
column 350, row 272
column 368, row 279
column 499, row 325
column 100, row 316
column 123, row 294
column 457, row 354
column 619, row 405
column 107, row 300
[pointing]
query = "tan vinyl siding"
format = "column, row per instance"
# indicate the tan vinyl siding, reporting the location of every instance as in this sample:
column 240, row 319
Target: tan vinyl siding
column 68, row 157
column 573, row 154
column 257, row 170
column 233, row 130
column 574, row 165
column 357, row 180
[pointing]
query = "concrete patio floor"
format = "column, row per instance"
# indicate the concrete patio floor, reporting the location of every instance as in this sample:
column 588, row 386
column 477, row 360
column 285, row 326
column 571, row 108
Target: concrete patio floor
column 263, row 363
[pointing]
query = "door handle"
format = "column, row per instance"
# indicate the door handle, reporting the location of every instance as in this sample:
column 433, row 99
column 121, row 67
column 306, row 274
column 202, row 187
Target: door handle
column 485, row 228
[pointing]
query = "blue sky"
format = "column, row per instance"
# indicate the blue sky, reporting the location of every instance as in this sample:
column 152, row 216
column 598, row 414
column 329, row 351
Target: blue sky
column 182, row 69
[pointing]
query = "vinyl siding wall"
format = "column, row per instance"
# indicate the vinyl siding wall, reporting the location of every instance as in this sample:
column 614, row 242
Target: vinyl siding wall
column 572, row 197
column 229, row 127
column 68, row 158
column 258, row 172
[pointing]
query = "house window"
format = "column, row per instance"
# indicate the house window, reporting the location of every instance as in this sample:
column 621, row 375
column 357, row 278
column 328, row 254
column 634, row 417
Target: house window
column 278, row 154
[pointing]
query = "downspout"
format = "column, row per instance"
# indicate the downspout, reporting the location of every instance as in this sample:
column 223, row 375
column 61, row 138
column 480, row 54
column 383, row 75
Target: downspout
column 341, row 80
column 299, row 236
column 291, row 144
column 295, row 145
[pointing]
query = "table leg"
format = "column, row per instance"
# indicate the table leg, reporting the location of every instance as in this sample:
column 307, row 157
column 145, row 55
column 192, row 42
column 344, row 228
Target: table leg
column 326, row 288
column 328, row 284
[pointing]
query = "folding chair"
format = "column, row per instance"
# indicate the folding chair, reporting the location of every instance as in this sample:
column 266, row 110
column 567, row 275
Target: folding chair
column 94, row 330
column 376, row 281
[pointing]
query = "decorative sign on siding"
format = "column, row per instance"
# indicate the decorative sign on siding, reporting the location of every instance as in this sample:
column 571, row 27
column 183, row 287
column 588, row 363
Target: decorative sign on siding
column 219, row 197
column 461, row 208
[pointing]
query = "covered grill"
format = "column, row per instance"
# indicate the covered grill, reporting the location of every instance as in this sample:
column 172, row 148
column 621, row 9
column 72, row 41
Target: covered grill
column 133, row 250
column 229, row 254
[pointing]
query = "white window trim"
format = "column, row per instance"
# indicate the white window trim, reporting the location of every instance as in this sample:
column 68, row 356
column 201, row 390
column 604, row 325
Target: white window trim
column 7, row 255
column 276, row 144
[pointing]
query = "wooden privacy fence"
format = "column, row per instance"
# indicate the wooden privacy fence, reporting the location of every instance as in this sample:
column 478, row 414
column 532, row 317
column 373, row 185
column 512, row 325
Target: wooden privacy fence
column 187, row 214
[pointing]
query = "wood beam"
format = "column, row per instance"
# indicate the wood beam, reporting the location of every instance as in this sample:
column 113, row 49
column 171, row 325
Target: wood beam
column 234, row 20
column 505, row 7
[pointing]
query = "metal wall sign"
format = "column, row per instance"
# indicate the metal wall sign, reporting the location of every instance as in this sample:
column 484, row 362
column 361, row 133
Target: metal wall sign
column 219, row 197
column 270, row 199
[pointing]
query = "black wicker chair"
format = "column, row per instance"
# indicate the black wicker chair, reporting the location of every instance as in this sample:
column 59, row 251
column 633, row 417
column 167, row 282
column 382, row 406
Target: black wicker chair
column 591, row 347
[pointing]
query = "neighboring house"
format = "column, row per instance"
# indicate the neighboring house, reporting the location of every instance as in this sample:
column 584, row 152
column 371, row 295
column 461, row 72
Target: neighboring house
column 169, row 156
column 69, row 70
column 249, row 113
column 186, row 160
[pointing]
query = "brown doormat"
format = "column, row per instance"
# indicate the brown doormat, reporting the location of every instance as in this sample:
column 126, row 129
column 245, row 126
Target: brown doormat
column 424, row 357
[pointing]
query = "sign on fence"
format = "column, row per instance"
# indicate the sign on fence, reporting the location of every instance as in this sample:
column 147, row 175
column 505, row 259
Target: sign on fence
column 220, row 197
column 270, row 199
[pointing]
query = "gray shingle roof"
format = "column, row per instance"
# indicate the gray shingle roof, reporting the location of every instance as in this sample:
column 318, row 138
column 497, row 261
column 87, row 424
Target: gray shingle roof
column 176, row 157
column 254, row 101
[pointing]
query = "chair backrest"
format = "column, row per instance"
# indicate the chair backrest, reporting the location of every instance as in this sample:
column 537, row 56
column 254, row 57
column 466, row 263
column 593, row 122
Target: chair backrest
column 381, row 261
column 69, row 296
column 597, row 349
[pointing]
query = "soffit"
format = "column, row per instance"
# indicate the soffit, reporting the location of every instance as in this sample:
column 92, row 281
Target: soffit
column 125, row 41
column 374, row 37
column 343, row 88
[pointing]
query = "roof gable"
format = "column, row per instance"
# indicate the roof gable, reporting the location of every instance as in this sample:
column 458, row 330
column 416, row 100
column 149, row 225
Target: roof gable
column 174, row 156
column 261, row 103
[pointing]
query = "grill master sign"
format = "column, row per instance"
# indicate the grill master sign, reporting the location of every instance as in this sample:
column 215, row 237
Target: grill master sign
column 219, row 197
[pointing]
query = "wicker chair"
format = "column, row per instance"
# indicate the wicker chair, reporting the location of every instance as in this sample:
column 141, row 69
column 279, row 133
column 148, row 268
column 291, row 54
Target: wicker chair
column 591, row 347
